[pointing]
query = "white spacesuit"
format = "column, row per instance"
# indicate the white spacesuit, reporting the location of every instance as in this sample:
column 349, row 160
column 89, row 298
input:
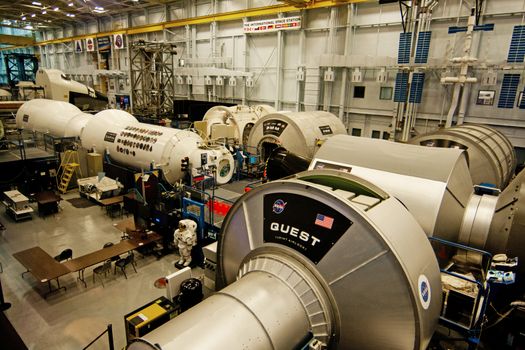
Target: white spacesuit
column 185, row 239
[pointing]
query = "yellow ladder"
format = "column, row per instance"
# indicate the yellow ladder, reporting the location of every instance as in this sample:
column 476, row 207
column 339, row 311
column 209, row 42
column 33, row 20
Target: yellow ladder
column 69, row 166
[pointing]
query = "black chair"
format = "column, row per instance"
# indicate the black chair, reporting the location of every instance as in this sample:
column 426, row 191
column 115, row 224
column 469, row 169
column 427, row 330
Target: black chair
column 113, row 258
column 123, row 262
column 66, row 254
column 102, row 269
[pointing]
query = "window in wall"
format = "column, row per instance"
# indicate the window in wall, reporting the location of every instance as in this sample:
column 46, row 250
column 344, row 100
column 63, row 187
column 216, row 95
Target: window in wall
column 359, row 92
column 356, row 132
column 386, row 93
column 386, row 135
column 376, row 134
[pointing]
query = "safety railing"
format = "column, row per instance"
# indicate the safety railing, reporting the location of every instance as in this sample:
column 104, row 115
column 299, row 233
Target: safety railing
column 109, row 331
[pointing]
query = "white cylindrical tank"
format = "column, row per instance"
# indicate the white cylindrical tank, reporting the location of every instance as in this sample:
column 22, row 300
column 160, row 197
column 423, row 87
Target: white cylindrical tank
column 48, row 116
column 141, row 145
column 241, row 117
column 491, row 156
column 299, row 132
column 433, row 183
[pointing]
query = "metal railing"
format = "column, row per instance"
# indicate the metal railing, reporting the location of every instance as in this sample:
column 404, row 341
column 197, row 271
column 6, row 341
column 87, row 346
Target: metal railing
column 108, row 330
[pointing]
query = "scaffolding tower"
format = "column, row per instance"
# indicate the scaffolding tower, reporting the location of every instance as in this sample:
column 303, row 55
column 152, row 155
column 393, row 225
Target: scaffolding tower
column 152, row 83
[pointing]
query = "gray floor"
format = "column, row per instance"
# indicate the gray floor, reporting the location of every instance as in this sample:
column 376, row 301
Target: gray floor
column 71, row 319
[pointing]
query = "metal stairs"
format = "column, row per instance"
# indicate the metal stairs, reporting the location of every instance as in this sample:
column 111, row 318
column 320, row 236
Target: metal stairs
column 69, row 166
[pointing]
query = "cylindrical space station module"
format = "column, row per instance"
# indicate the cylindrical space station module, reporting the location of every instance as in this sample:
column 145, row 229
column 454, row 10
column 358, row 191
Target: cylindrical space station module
column 126, row 140
column 435, row 185
column 299, row 132
column 491, row 157
column 241, row 117
column 57, row 118
column 325, row 253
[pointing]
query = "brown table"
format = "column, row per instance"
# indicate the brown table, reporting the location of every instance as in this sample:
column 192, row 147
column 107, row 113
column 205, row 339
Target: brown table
column 47, row 202
column 109, row 203
column 81, row 263
column 125, row 224
column 43, row 266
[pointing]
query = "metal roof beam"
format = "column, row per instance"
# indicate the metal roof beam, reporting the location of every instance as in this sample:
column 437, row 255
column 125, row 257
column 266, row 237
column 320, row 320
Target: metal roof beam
column 16, row 40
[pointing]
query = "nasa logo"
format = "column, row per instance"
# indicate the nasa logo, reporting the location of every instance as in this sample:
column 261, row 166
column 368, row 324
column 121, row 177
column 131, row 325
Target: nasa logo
column 278, row 206
column 424, row 291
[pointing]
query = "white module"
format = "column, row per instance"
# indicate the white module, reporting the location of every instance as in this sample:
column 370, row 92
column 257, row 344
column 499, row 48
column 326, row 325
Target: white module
column 242, row 118
column 57, row 118
column 141, row 145
column 127, row 141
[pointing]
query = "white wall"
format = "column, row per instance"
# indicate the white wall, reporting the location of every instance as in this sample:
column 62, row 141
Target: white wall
column 375, row 33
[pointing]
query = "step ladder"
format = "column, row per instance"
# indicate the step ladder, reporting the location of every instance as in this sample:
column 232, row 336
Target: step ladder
column 69, row 166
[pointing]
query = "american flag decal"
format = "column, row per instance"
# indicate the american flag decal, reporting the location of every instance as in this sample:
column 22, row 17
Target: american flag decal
column 324, row 221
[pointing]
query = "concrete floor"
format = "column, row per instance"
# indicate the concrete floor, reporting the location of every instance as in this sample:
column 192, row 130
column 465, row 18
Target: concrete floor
column 71, row 319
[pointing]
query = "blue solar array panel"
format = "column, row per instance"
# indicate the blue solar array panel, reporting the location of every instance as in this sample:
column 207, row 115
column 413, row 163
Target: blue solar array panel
column 517, row 45
column 416, row 88
column 403, row 55
column 400, row 91
column 509, row 88
column 423, row 45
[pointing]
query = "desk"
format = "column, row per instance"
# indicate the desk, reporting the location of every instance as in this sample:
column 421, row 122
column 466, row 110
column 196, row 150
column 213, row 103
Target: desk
column 42, row 266
column 125, row 224
column 109, row 203
column 47, row 202
column 81, row 263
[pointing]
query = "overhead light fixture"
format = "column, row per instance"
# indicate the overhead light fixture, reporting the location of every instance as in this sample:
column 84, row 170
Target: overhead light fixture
column 29, row 26
column 44, row 12
column 37, row 3
column 55, row 9
column 33, row 15
column 70, row 4
column 99, row 8
column 23, row 18
column 70, row 15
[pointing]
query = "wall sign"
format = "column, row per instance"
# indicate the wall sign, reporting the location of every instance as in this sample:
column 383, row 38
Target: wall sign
column 25, row 118
column 103, row 43
column 118, row 41
column 274, row 127
column 304, row 224
column 272, row 25
column 90, row 44
column 110, row 137
column 78, row 46
column 326, row 130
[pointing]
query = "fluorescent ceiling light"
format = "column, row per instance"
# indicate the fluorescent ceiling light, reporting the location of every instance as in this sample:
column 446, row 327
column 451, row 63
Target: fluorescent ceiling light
column 55, row 9
column 70, row 4
column 33, row 15
column 44, row 12
column 29, row 26
column 37, row 3
column 23, row 18
column 99, row 8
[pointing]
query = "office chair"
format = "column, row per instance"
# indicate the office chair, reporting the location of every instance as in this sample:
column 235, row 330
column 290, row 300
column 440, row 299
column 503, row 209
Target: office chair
column 122, row 263
column 66, row 254
column 102, row 269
